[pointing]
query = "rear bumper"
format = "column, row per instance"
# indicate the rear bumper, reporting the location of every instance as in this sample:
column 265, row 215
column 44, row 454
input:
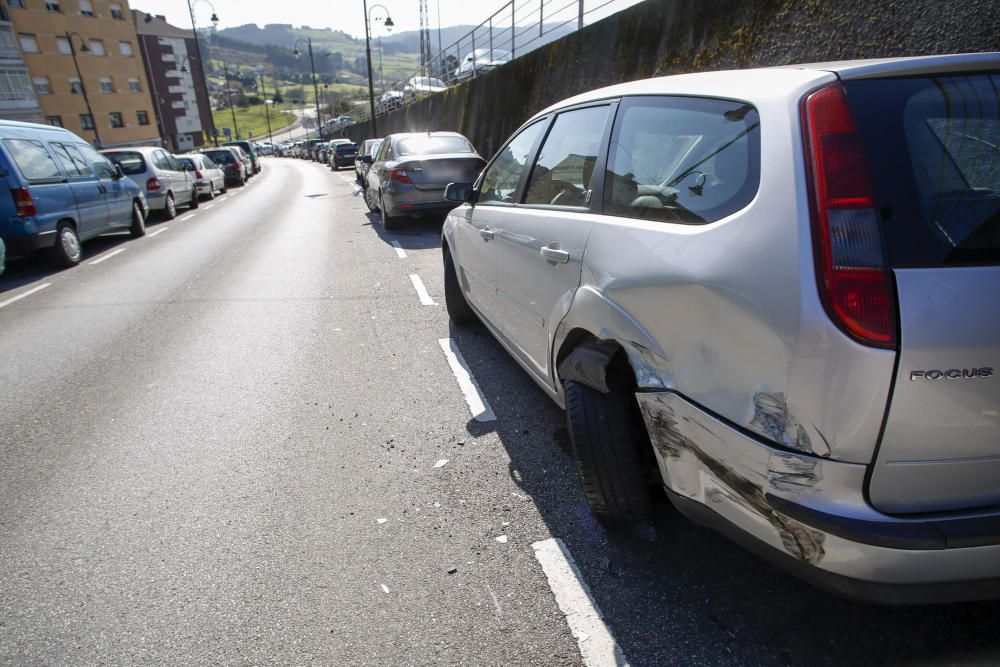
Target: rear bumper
column 413, row 202
column 809, row 516
column 344, row 161
column 18, row 245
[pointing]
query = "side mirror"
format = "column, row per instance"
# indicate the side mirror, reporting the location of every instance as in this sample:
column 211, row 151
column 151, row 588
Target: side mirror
column 462, row 193
column 367, row 159
column 119, row 174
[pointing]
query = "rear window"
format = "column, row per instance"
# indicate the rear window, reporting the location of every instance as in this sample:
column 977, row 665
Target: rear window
column 32, row 159
column 347, row 148
column 221, row 156
column 933, row 144
column 131, row 162
column 430, row 145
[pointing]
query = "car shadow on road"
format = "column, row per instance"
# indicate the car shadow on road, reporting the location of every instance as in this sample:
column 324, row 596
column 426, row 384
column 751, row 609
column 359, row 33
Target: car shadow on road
column 36, row 267
column 674, row 592
column 416, row 234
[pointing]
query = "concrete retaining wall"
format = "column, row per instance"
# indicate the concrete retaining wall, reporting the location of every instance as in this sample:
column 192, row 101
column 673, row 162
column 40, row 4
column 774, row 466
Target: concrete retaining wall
column 661, row 37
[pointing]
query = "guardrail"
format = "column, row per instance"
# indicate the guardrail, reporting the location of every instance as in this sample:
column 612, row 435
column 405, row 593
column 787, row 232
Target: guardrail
column 516, row 28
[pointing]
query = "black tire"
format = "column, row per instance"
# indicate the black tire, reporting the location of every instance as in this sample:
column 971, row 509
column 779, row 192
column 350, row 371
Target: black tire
column 169, row 207
column 225, row 187
column 389, row 222
column 211, row 190
column 459, row 309
column 193, row 204
column 608, row 450
column 67, row 250
column 370, row 200
column 138, row 227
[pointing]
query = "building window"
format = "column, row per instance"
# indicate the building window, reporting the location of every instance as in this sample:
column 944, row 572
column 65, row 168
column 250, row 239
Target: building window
column 106, row 85
column 55, row 121
column 63, row 45
column 53, row 6
column 142, row 117
column 28, row 43
column 116, row 119
column 97, row 47
column 15, row 4
column 86, row 121
column 86, row 8
column 15, row 85
column 116, row 11
column 125, row 48
column 42, row 85
column 134, row 86
column 75, row 86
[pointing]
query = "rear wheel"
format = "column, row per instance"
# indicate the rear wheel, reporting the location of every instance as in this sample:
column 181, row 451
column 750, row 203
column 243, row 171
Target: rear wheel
column 608, row 448
column 169, row 207
column 370, row 200
column 138, row 227
column 389, row 222
column 459, row 309
column 194, row 198
column 211, row 190
column 67, row 250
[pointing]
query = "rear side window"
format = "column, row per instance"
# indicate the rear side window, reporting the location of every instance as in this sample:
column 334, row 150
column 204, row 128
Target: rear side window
column 682, row 159
column 933, row 144
column 72, row 162
column 131, row 163
column 431, row 145
column 564, row 168
column 32, row 159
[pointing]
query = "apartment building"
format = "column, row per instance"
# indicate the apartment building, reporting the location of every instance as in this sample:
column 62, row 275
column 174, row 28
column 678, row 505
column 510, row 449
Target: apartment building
column 85, row 65
column 17, row 95
column 180, row 98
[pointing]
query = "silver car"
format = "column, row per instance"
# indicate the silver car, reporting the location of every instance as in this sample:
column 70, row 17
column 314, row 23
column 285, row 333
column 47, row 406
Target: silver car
column 409, row 173
column 160, row 175
column 209, row 177
column 776, row 290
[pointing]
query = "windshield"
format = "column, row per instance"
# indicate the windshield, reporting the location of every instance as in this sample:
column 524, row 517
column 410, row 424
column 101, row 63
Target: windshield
column 431, row 145
column 131, row 162
column 934, row 145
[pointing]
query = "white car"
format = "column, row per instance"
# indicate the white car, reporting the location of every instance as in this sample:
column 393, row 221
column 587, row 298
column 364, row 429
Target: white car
column 421, row 86
column 166, row 184
column 208, row 176
column 481, row 61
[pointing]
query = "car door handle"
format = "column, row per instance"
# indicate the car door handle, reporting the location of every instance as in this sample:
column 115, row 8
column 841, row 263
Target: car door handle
column 487, row 234
column 554, row 254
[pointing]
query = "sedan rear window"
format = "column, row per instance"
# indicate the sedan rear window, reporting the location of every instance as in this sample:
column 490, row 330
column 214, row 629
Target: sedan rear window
column 225, row 157
column 347, row 148
column 131, row 162
column 933, row 145
column 431, row 145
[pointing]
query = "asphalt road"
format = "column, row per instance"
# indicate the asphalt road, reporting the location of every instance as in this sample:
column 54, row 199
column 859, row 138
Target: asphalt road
column 201, row 434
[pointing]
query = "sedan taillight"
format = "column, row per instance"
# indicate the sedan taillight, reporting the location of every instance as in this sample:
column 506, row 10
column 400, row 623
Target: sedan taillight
column 153, row 184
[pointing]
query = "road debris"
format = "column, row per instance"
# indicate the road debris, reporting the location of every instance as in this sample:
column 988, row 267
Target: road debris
column 502, row 539
column 441, row 463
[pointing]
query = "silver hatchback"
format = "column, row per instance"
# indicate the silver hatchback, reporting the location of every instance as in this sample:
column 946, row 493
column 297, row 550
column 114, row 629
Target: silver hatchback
column 161, row 176
column 776, row 290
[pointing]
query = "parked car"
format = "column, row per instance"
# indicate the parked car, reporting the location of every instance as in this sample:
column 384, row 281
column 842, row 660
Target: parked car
column 3, row 256
column 248, row 148
column 368, row 147
column 209, row 177
column 160, row 174
column 57, row 191
column 228, row 159
column 310, row 148
column 421, row 86
column 245, row 159
column 322, row 151
column 409, row 174
column 389, row 100
column 479, row 62
column 777, row 292
column 343, row 154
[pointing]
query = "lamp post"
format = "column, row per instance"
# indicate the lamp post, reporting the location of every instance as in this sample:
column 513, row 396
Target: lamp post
column 83, row 87
column 229, row 96
column 312, row 67
column 201, row 63
column 267, row 111
column 368, row 56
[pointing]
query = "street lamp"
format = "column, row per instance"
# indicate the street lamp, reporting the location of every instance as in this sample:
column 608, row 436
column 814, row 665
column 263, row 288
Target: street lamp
column 83, row 86
column 312, row 67
column 368, row 52
column 201, row 63
column 267, row 111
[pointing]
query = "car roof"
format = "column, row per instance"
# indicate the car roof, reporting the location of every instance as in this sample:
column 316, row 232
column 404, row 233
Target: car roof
column 752, row 84
column 145, row 150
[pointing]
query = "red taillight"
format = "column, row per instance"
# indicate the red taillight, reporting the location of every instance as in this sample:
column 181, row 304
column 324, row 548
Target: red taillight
column 153, row 184
column 399, row 174
column 197, row 173
column 23, row 201
column 852, row 270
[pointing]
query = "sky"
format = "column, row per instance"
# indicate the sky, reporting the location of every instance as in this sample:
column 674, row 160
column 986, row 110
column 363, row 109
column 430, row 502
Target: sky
column 347, row 15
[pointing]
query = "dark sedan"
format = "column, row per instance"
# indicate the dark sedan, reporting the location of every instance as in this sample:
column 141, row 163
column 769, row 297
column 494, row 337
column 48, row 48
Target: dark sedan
column 343, row 155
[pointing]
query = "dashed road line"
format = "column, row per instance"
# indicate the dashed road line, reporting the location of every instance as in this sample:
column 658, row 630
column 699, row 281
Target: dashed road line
column 22, row 295
column 478, row 405
column 418, row 285
column 597, row 645
column 208, row 206
column 108, row 256
column 399, row 250
column 159, row 231
column 189, row 216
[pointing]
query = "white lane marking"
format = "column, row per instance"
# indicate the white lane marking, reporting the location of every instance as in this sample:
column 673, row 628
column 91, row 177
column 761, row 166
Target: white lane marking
column 108, row 256
column 159, row 231
column 235, row 192
column 188, row 216
column 399, row 250
column 478, row 405
column 418, row 285
column 208, row 206
column 24, row 294
column 597, row 645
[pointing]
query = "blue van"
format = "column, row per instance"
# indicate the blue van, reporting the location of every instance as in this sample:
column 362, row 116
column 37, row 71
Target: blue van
column 56, row 191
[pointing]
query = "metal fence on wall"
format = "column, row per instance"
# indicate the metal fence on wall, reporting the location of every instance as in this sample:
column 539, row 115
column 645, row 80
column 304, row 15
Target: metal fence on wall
column 513, row 30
